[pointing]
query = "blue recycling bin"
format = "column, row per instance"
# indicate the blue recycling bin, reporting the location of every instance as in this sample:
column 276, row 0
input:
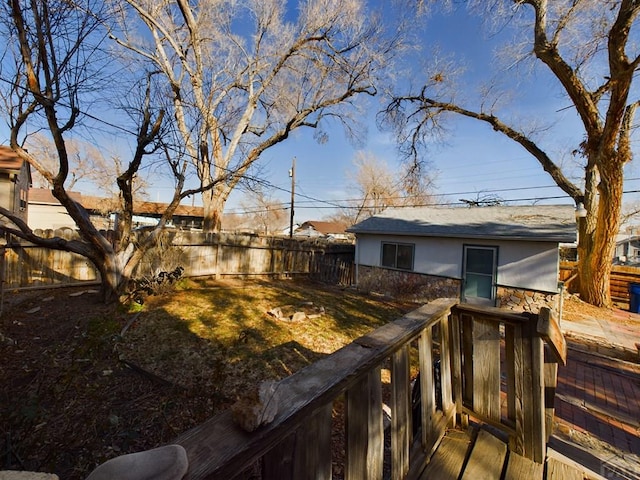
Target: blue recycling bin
column 634, row 297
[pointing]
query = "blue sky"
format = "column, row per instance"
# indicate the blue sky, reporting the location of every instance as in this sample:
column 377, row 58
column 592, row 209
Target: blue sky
column 474, row 161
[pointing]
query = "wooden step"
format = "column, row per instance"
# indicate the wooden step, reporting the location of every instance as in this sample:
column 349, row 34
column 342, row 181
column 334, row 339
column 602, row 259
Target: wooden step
column 487, row 458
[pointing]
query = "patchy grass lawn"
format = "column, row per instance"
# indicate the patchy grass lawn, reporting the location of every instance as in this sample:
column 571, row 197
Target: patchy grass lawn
column 85, row 383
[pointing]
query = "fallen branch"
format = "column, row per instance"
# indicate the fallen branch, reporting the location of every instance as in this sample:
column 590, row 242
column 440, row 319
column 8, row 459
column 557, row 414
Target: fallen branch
column 151, row 376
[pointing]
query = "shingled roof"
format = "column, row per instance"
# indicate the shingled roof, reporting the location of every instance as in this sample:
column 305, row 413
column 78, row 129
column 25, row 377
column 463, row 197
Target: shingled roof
column 324, row 228
column 555, row 223
column 93, row 203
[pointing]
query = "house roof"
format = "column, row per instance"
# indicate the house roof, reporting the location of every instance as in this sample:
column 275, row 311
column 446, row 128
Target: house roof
column 532, row 222
column 44, row 196
column 325, row 228
column 9, row 160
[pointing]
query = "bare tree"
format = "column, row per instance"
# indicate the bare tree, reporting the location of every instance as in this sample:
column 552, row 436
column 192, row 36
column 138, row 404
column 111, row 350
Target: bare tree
column 241, row 76
column 87, row 164
column 264, row 212
column 587, row 47
column 376, row 187
column 56, row 58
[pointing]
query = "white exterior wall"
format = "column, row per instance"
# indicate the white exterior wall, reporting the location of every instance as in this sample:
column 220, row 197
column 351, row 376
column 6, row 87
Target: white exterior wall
column 49, row 216
column 521, row 264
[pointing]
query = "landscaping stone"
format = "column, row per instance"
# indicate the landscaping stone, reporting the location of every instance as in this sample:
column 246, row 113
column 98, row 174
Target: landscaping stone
column 164, row 463
column 298, row 317
column 258, row 408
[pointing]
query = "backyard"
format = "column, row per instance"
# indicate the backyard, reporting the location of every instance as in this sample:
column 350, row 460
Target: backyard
column 84, row 382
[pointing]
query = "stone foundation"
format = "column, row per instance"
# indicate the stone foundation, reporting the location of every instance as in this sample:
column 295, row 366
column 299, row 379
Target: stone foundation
column 425, row 288
column 406, row 285
column 526, row 300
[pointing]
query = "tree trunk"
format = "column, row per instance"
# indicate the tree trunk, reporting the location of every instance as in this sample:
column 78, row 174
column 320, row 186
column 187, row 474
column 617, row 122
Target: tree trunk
column 597, row 234
column 113, row 282
column 213, row 202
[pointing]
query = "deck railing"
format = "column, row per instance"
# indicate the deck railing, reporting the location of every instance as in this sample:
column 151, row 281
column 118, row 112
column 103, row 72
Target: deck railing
column 465, row 339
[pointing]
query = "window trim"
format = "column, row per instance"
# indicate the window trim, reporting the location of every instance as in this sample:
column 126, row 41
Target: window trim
column 395, row 260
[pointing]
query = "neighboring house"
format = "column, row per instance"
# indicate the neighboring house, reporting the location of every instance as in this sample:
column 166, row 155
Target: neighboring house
column 503, row 255
column 627, row 250
column 48, row 213
column 15, row 179
column 313, row 228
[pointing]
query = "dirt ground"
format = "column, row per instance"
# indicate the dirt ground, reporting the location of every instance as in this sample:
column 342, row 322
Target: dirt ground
column 69, row 402
column 78, row 381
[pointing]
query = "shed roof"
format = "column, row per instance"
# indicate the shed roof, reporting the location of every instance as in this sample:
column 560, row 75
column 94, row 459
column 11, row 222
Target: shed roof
column 555, row 223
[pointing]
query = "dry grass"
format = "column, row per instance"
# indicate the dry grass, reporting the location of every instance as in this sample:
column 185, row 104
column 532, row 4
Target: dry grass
column 77, row 392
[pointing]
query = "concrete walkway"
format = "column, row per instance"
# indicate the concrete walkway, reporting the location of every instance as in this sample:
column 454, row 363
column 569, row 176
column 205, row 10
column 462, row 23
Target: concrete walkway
column 598, row 395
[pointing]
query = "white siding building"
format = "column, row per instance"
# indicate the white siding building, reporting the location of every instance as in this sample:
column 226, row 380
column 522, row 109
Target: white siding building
column 495, row 255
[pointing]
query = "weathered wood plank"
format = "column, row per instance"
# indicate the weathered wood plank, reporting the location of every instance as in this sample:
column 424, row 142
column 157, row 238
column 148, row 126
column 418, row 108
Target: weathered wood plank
column 445, row 364
column 520, row 377
column 305, row 391
column 400, row 413
column 550, row 384
column 312, row 460
column 509, row 360
column 493, row 314
column 486, row 368
column 427, row 388
column 407, row 328
column 527, row 393
column 487, row 458
column 557, row 470
column 278, row 462
column 538, row 408
column 446, row 463
column 520, row 468
column 549, row 327
column 456, row 365
column 467, row 354
column 365, row 434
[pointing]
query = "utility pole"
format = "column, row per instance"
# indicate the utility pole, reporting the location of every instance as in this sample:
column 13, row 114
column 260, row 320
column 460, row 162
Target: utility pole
column 292, row 174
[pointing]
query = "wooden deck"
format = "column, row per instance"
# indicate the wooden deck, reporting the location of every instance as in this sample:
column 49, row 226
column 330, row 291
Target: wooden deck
column 495, row 366
column 474, row 454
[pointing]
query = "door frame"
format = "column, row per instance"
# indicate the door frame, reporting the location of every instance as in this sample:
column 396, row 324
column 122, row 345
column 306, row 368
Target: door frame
column 494, row 275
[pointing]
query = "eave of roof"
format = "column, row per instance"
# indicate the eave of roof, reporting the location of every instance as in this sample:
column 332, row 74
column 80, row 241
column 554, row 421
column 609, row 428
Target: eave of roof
column 549, row 223
column 9, row 160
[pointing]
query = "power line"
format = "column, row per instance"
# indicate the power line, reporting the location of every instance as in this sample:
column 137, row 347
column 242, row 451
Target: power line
column 334, row 204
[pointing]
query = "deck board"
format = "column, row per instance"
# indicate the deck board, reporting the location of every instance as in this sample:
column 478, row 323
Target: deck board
column 557, row 470
column 519, row 467
column 487, row 457
column 447, row 461
column 463, row 455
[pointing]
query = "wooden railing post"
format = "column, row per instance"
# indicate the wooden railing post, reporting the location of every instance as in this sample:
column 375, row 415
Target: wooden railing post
column 445, row 366
column 537, row 399
column 400, row 413
column 486, row 368
column 312, row 459
column 456, row 376
column 427, row 387
column 365, row 432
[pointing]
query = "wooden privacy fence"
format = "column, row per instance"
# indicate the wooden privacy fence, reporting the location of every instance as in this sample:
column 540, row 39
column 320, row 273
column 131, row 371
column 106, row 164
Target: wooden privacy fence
column 25, row 265
column 467, row 340
column 621, row 277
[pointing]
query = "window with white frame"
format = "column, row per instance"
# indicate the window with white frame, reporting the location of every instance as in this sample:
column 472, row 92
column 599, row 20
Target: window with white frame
column 398, row 255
